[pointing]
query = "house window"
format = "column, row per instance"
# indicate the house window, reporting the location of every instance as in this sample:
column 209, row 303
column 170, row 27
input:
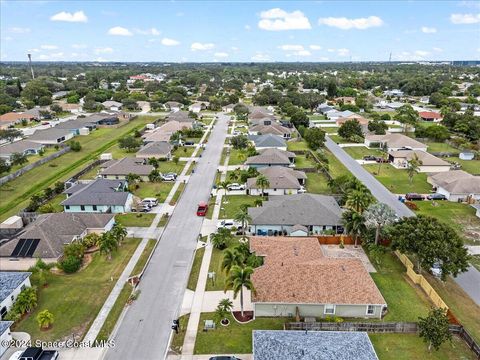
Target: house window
column 329, row 309
column 94, row 207
column 370, row 309
column 12, row 297
column 82, row 207
column 23, row 288
column 67, row 207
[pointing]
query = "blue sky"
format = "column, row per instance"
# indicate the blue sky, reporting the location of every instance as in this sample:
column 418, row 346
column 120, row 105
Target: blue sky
column 200, row 31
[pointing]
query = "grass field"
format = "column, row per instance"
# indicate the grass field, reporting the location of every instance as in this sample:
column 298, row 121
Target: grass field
column 234, row 338
column 296, row 145
column 74, row 300
column 16, row 193
column 177, row 339
column 336, row 168
column 177, row 194
column 135, row 219
column 397, row 181
column 195, row 272
column 437, row 147
column 359, row 152
column 317, row 183
column 159, row 190
column 302, row 162
column 32, row 158
column 237, row 157
column 216, row 266
column 460, row 216
column 339, row 140
column 231, row 205
column 184, row 151
column 411, row 346
column 470, row 166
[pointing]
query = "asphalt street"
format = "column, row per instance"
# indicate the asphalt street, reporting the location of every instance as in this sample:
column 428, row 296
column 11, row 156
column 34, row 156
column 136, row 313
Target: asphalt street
column 377, row 189
column 145, row 330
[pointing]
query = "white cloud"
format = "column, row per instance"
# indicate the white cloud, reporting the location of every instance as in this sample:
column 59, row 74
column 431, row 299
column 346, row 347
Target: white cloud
column 234, row 48
column 315, row 47
column 169, row 42
column 119, row 31
column 302, row 53
column 57, row 55
column 324, row 58
column 291, row 47
column 343, row 52
column 277, row 20
column 428, row 30
column 78, row 16
column 260, row 57
column 220, row 54
column 248, row 27
column 33, row 50
column 19, row 30
column 152, row 31
column 347, row 24
column 465, row 18
column 43, row 57
column 201, row 46
column 437, row 49
column 103, row 50
column 79, row 46
column 421, row 53
column 49, row 47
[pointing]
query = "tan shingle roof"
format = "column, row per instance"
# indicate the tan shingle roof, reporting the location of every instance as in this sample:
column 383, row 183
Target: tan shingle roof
column 271, row 156
column 457, row 182
column 295, row 271
column 279, row 177
column 396, row 140
column 426, row 158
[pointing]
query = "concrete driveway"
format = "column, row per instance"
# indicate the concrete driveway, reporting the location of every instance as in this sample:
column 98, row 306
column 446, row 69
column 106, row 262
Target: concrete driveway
column 146, row 328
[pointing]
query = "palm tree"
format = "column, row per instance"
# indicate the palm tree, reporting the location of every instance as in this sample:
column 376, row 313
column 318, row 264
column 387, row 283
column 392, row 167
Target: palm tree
column 231, row 258
column 154, row 162
column 223, row 185
column 262, row 182
column 107, row 244
column 354, row 224
column 237, row 279
column 223, row 308
column 154, row 176
column 119, row 233
column 359, row 200
column 407, row 116
column 244, row 218
column 257, row 202
column 26, row 300
column 45, row 319
column 379, row 215
column 221, row 238
column 413, row 166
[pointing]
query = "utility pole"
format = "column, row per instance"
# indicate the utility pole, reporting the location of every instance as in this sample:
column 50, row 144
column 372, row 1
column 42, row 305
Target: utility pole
column 30, row 63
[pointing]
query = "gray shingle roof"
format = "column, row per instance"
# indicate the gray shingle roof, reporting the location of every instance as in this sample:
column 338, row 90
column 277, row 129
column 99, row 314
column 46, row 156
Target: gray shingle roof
column 76, row 124
column 49, row 134
column 303, row 209
column 268, row 140
column 128, row 165
column 156, row 148
column 4, row 326
column 55, row 230
column 19, row 147
column 9, row 281
column 98, row 192
column 312, row 345
column 271, row 156
column 279, row 177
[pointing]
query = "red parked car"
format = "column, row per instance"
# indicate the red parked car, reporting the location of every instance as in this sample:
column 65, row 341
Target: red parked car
column 202, row 209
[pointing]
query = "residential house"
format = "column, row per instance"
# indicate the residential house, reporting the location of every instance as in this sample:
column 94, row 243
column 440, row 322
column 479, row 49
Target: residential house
column 119, row 169
column 282, row 181
column 324, row 108
column 394, row 141
column 271, row 157
column 51, row 136
column 157, row 150
column 312, row 345
column 59, row 94
column 430, row 116
column 112, row 105
column 268, row 141
column 297, row 279
column 24, row 147
column 228, row 108
column 11, row 284
column 257, row 112
column 334, row 115
column 278, row 215
column 73, row 108
column 5, row 336
column 268, row 126
column 12, row 118
column 456, row 185
column 165, row 131
column 361, row 120
column 106, row 119
column 429, row 163
column 79, row 126
column 98, row 196
column 173, row 106
column 198, row 106
column 346, row 100
column 393, row 92
column 46, row 237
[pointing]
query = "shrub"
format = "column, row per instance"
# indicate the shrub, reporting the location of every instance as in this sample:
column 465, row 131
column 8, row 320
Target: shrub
column 70, row 264
column 411, row 205
column 90, row 240
column 75, row 249
column 75, row 146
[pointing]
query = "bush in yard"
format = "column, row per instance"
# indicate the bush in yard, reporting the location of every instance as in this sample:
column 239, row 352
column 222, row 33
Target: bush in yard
column 433, row 329
column 315, row 138
column 411, row 205
column 239, row 142
column 45, row 319
column 90, row 240
column 70, row 264
column 350, row 128
column 75, row 146
column 75, row 249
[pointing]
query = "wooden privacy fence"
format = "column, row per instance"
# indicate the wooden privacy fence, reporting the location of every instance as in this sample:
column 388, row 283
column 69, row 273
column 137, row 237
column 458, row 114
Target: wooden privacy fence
column 336, row 240
column 383, row 327
column 464, row 334
column 421, row 281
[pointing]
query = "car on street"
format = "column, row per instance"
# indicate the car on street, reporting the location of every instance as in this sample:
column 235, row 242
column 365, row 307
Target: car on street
column 235, row 186
column 202, row 209
column 302, row 190
column 189, row 143
column 436, row 196
column 414, row 197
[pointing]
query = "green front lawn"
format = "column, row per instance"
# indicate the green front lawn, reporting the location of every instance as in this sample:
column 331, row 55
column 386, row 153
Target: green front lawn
column 178, row 339
column 170, row 166
column 437, row 147
column 296, row 145
column 232, row 339
column 177, row 194
column 335, row 167
column 231, row 204
column 317, row 183
column 195, row 272
column 470, row 166
column 330, row 129
column 237, row 157
column 406, row 302
column 411, row 346
column 216, row 266
column 339, row 140
column 358, row 153
column 135, row 219
column 142, row 260
column 159, row 190
column 184, row 151
column 460, row 216
column 302, row 162
column 75, row 300
column 397, row 181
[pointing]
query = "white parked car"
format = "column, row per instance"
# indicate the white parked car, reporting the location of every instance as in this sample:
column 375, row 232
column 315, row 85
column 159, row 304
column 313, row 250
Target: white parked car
column 229, row 224
column 150, row 202
column 169, row 177
column 235, row 186
column 302, row 190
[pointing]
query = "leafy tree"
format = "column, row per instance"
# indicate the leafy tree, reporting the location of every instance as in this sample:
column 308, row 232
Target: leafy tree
column 222, row 310
column 430, row 241
column 244, row 218
column 407, row 116
column 56, row 108
column 154, row 176
column 377, row 127
column 75, row 146
column 262, row 182
column 377, row 216
column 26, row 300
column 75, row 249
column 331, row 89
column 354, row 224
column 299, row 118
column 90, row 240
column 4, row 166
column 133, row 180
column 129, row 143
column 413, row 166
column 434, row 328
column 350, row 128
column 70, row 264
column 45, row 319
column 18, row 159
column 10, row 134
column 239, row 142
column 315, row 138
column 238, row 279
column 107, row 244
column 221, row 239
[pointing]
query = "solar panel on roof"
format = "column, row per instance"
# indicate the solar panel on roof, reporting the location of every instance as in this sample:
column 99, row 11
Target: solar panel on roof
column 25, row 248
column 32, row 248
column 18, row 248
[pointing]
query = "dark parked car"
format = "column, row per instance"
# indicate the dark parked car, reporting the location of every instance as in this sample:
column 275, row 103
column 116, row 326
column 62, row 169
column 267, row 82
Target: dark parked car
column 36, row 353
column 414, row 196
column 369, row 158
column 436, row 196
column 224, row 358
column 381, row 160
